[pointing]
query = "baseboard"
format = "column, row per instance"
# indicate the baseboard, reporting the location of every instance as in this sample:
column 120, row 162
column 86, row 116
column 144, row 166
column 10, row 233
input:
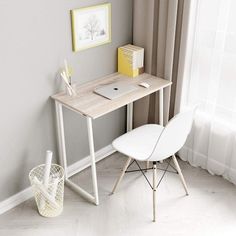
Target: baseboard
column 15, row 200
column 78, row 166
column 85, row 162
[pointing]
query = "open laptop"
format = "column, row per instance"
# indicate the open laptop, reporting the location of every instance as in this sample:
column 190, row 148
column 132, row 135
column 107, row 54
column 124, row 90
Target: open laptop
column 115, row 90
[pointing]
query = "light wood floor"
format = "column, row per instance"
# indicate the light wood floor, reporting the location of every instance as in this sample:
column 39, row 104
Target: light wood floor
column 209, row 210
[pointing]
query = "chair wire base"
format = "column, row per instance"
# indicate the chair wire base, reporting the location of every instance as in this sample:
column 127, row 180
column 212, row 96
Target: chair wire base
column 145, row 169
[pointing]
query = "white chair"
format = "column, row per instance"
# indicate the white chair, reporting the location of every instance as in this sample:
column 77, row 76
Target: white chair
column 154, row 143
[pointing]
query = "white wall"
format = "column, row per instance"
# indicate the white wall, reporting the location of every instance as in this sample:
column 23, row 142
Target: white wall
column 35, row 37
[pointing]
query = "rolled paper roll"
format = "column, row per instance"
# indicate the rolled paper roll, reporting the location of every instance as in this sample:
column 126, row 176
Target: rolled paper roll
column 48, row 162
column 41, row 188
column 47, row 168
column 54, row 182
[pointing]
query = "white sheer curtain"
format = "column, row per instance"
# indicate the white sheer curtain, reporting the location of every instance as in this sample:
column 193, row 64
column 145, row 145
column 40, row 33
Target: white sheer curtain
column 210, row 79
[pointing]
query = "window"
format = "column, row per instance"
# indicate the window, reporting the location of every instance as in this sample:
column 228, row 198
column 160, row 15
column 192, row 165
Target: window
column 210, row 80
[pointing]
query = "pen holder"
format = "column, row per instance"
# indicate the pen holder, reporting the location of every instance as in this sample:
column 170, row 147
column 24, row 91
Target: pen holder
column 71, row 91
column 49, row 199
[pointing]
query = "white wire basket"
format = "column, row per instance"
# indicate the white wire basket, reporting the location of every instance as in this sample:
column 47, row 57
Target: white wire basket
column 49, row 199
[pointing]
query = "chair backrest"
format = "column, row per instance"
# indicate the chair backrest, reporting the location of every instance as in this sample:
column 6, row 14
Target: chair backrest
column 173, row 136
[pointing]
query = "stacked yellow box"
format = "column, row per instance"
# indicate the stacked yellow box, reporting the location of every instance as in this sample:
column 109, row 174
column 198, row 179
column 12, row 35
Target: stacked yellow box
column 130, row 60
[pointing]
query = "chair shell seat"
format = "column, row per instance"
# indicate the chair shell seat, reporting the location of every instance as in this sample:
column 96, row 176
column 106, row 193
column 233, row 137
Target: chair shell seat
column 140, row 142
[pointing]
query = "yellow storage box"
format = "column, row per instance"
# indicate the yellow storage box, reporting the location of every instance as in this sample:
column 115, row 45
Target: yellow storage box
column 130, row 60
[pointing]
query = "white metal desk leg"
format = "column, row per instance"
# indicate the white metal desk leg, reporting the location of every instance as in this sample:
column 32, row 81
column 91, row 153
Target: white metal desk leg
column 61, row 137
column 92, row 156
column 129, row 118
column 161, row 107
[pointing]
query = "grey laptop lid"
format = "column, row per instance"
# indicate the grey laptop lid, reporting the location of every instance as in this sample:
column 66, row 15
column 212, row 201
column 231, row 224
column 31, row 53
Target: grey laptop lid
column 115, row 90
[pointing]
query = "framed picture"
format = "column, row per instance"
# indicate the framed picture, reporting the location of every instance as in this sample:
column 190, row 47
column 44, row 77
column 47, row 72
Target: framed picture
column 91, row 26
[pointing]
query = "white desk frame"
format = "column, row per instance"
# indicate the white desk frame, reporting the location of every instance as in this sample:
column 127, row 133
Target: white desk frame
column 63, row 159
column 62, row 147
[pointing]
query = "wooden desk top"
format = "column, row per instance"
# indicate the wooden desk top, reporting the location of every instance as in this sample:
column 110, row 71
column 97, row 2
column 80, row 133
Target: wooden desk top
column 93, row 105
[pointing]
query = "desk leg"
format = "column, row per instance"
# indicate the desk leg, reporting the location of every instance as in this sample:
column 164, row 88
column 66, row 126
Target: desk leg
column 61, row 138
column 161, row 110
column 63, row 159
column 129, row 118
column 92, row 156
column 161, row 107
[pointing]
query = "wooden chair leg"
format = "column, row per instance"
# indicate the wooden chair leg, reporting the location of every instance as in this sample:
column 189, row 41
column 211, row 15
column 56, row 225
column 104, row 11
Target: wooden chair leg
column 121, row 175
column 154, row 187
column 180, row 174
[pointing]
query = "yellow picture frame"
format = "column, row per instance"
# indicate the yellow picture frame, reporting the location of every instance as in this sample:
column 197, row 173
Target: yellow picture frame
column 91, row 26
